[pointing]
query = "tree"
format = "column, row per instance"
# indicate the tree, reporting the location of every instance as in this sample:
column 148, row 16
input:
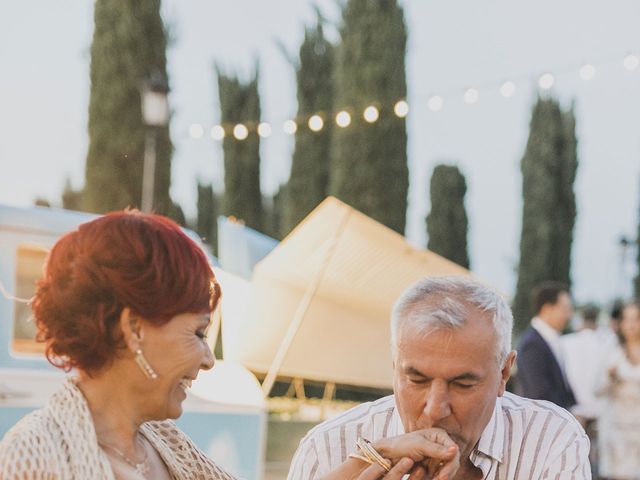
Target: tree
column 71, row 199
column 129, row 47
column 240, row 103
column 548, row 169
column 307, row 185
column 369, row 160
column 447, row 222
column 207, row 222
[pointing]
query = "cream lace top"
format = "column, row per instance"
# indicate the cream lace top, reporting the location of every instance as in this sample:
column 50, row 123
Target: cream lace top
column 58, row 442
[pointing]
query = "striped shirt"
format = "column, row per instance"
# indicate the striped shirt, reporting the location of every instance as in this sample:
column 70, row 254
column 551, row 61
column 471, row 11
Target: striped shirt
column 524, row 439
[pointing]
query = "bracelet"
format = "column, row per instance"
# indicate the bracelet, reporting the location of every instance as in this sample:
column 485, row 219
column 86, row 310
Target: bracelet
column 371, row 455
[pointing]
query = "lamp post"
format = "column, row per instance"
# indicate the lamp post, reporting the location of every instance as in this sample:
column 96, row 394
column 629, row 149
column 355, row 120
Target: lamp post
column 155, row 113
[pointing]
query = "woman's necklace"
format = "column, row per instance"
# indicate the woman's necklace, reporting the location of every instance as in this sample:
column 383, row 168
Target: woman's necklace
column 141, row 468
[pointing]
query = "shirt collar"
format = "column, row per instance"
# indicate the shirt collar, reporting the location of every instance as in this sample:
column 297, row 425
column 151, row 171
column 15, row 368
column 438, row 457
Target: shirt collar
column 491, row 443
column 549, row 333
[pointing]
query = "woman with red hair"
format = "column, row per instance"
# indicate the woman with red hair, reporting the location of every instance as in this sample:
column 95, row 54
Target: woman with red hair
column 125, row 301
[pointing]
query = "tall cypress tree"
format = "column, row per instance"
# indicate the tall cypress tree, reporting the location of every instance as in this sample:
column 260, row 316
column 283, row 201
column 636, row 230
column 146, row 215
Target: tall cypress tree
column 369, row 161
column 241, row 103
column 447, row 222
column 129, row 46
column 307, row 185
column 207, row 222
column 548, row 172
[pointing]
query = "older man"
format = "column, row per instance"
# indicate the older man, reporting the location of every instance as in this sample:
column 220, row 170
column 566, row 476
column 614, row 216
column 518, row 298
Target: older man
column 452, row 356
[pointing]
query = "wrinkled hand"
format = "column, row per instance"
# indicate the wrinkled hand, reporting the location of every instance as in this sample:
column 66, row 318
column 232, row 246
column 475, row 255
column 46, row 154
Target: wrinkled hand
column 434, row 454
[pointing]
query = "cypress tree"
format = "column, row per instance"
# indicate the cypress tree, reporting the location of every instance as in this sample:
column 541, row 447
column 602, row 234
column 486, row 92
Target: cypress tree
column 369, row 161
column 307, row 185
column 207, row 221
column 548, row 171
column 241, row 103
column 566, row 207
column 129, row 46
column 71, row 199
column 447, row 222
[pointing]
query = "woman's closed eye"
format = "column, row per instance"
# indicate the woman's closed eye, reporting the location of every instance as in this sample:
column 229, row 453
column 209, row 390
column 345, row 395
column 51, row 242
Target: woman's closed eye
column 201, row 334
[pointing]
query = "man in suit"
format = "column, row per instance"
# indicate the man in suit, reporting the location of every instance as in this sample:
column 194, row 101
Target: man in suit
column 540, row 363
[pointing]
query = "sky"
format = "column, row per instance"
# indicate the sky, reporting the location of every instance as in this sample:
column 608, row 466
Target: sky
column 452, row 46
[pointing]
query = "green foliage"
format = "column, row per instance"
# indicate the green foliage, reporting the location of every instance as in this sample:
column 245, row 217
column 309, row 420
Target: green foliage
column 447, row 222
column 307, row 185
column 129, row 44
column 548, row 172
column 369, row 161
column 207, row 223
column 241, row 103
column 71, row 199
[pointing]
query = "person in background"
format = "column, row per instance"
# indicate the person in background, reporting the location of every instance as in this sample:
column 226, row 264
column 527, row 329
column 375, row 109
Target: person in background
column 541, row 374
column 619, row 422
column 585, row 352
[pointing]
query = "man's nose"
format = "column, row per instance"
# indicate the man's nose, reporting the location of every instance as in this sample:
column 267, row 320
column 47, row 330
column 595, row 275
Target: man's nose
column 437, row 404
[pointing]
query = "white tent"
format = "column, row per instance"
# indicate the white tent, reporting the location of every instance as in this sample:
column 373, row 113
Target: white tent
column 321, row 300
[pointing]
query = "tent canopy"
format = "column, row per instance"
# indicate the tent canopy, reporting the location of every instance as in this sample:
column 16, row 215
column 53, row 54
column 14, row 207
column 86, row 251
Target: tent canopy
column 323, row 298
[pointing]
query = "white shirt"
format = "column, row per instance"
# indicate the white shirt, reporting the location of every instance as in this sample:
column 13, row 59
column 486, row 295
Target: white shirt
column 585, row 354
column 524, row 440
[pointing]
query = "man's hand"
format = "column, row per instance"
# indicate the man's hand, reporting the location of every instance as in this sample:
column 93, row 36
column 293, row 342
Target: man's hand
column 434, row 454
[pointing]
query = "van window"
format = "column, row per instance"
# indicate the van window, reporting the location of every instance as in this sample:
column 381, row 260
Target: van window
column 29, row 262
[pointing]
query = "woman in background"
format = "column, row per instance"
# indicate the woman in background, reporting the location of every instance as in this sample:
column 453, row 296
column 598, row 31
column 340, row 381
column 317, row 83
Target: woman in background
column 619, row 423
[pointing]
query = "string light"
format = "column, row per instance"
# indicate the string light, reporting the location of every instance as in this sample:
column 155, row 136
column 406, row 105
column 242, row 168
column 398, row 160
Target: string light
column 587, row 71
column 401, row 109
column 471, row 96
column 289, row 127
column 507, row 89
column 240, row 132
column 264, row 129
column 196, row 131
column 546, row 81
column 217, row 132
column 631, row 62
column 343, row 119
column 435, row 103
column 316, row 123
column 371, row 114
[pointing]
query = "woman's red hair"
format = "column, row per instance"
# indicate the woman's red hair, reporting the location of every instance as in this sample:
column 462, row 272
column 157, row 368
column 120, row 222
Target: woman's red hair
column 122, row 259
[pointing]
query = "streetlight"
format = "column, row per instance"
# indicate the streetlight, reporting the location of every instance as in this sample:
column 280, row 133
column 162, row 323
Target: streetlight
column 155, row 113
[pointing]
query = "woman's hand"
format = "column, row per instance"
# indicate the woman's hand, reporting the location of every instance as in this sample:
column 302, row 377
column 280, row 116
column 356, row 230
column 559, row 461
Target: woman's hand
column 434, row 454
column 427, row 454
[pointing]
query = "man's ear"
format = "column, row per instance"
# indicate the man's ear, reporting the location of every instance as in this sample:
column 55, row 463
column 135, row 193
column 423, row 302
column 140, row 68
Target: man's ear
column 505, row 373
column 131, row 327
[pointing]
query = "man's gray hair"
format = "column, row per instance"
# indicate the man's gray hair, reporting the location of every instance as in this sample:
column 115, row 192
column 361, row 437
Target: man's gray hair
column 447, row 302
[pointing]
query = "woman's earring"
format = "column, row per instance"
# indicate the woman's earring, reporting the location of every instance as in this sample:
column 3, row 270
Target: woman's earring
column 144, row 365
